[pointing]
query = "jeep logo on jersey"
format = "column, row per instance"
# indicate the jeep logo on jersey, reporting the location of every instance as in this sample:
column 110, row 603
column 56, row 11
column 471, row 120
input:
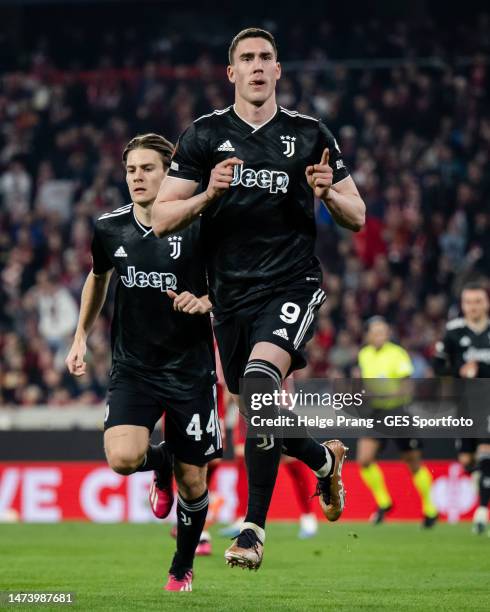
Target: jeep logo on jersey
column 158, row 280
column 273, row 180
column 175, row 244
column 290, row 146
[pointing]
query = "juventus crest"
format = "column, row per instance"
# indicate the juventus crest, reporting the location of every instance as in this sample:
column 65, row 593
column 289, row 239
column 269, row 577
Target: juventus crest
column 290, row 146
column 175, row 243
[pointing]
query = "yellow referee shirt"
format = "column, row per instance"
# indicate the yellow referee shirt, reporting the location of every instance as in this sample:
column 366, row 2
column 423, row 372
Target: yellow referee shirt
column 391, row 363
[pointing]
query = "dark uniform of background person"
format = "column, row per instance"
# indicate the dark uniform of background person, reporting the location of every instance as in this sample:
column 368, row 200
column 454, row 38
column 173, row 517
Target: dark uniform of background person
column 464, row 352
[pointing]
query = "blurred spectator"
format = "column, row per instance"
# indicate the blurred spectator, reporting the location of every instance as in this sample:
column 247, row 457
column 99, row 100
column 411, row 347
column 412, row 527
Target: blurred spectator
column 415, row 134
column 57, row 311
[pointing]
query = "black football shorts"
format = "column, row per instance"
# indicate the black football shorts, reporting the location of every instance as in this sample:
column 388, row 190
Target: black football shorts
column 191, row 426
column 284, row 318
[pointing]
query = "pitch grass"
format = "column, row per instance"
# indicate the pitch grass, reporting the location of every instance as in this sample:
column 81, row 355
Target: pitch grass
column 348, row 566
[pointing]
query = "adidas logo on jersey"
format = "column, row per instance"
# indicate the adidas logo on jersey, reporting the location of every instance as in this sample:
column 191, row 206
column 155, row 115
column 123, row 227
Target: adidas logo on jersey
column 282, row 333
column 210, row 450
column 226, row 146
column 120, row 252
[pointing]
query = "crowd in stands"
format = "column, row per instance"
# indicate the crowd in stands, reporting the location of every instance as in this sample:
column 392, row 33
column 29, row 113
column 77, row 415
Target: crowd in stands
column 415, row 136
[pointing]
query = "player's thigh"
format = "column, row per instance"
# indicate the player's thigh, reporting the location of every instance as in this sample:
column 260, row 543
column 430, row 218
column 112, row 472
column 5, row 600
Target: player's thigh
column 126, row 444
column 232, row 337
column 367, row 450
column 286, row 321
column 132, row 410
column 411, row 455
column 192, row 430
column 190, row 479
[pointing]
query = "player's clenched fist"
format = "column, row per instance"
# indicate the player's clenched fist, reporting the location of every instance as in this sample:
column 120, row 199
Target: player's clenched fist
column 221, row 177
column 189, row 303
column 469, row 370
column 74, row 360
column 319, row 176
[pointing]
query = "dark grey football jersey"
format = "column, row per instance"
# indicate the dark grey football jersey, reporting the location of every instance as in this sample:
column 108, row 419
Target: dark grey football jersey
column 172, row 349
column 260, row 235
column 461, row 345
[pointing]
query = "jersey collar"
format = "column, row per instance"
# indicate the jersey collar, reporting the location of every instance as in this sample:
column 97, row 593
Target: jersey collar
column 142, row 229
column 249, row 127
column 475, row 330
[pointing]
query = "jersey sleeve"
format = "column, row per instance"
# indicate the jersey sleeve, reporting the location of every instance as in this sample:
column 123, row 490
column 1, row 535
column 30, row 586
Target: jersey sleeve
column 100, row 260
column 189, row 160
column 403, row 364
column 335, row 160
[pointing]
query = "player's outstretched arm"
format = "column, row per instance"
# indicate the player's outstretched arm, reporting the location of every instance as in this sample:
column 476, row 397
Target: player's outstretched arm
column 189, row 303
column 342, row 199
column 93, row 297
column 176, row 206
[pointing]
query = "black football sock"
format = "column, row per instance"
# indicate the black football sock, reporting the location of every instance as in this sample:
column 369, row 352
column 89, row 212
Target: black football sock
column 159, row 459
column 191, row 516
column 484, row 480
column 262, row 452
column 305, row 448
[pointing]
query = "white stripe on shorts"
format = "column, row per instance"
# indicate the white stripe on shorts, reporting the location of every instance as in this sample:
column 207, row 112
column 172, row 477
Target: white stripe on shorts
column 316, row 300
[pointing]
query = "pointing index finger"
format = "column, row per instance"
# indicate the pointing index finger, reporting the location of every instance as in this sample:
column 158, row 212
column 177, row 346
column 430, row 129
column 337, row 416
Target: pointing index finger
column 325, row 157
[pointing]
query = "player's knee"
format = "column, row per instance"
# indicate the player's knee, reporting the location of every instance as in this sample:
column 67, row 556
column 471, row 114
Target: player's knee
column 192, row 483
column 124, row 462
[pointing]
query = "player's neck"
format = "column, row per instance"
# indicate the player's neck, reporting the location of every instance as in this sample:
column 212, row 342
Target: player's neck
column 143, row 213
column 256, row 115
column 477, row 326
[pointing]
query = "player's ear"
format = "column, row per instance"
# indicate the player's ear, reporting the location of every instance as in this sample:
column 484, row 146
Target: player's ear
column 278, row 70
column 230, row 73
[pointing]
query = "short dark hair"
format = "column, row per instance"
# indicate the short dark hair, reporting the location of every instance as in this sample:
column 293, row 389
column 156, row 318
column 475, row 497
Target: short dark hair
column 151, row 141
column 375, row 319
column 475, row 285
column 250, row 33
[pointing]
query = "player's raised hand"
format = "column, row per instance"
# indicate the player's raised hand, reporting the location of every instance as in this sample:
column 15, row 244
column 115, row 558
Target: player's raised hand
column 469, row 370
column 221, row 177
column 75, row 358
column 320, row 176
column 187, row 302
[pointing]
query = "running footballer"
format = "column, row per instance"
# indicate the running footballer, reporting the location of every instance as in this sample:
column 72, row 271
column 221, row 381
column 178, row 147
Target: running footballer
column 260, row 167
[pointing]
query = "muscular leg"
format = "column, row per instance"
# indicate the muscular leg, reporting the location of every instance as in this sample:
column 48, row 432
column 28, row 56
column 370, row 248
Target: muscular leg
column 480, row 518
column 128, row 450
column 192, row 508
column 125, row 447
column 267, row 364
column 422, row 480
column 262, row 465
column 371, row 474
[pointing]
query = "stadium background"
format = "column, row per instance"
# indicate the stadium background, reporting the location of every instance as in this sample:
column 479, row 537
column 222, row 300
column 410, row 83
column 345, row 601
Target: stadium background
column 405, row 90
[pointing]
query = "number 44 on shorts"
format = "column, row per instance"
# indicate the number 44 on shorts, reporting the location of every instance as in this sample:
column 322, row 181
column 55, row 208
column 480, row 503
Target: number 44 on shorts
column 194, row 427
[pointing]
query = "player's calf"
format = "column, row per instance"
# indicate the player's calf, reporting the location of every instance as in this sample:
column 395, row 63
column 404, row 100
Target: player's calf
column 191, row 517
